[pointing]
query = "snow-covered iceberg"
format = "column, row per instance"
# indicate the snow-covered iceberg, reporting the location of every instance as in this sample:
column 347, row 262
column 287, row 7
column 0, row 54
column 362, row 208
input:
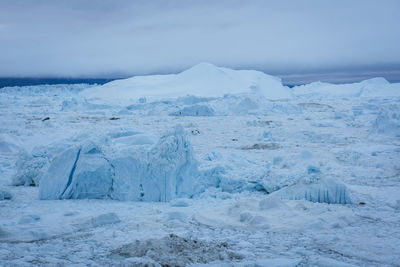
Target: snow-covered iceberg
column 375, row 87
column 202, row 80
column 166, row 171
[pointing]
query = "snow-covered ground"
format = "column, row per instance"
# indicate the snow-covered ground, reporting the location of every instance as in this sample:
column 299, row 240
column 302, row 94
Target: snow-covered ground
column 209, row 166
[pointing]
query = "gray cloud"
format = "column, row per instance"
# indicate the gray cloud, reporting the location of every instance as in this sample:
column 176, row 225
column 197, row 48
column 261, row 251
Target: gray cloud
column 106, row 38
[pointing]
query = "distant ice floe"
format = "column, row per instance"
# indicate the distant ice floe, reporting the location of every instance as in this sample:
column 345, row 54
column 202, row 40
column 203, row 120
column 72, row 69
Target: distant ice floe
column 46, row 89
column 375, row 87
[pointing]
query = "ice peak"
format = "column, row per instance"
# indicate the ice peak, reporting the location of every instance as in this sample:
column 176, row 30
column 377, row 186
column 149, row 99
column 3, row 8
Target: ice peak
column 375, row 81
column 202, row 69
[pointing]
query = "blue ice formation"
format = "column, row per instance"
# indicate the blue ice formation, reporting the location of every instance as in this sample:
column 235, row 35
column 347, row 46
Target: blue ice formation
column 164, row 172
column 79, row 172
column 323, row 191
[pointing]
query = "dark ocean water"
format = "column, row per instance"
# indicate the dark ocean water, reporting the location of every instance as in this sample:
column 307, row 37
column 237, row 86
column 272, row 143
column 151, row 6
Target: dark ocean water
column 4, row 82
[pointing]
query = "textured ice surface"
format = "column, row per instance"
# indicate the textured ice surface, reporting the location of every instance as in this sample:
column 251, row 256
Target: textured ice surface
column 271, row 202
column 195, row 110
column 90, row 176
column 69, row 104
column 180, row 202
column 387, row 122
column 192, row 100
column 28, row 219
column 165, row 172
column 6, row 145
column 171, row 168
column 30, row 169
column 103, row 219
column 286, row 171
column 32, row 165
column 59, row 175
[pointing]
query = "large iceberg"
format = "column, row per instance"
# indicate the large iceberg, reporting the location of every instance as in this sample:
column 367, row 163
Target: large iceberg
column 164, row 172
column 202, row 80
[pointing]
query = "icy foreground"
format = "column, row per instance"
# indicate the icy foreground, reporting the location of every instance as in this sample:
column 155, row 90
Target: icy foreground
column 207, row 167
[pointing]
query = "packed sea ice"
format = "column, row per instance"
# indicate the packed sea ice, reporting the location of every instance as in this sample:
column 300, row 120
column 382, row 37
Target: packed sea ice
column 210, row 166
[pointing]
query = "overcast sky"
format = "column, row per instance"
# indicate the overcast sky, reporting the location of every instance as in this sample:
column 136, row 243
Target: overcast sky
column 120, row 38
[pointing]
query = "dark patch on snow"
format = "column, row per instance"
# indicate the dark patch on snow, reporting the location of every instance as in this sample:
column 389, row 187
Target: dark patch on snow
column 270, row 146
column 173, row 250
column 4, row 195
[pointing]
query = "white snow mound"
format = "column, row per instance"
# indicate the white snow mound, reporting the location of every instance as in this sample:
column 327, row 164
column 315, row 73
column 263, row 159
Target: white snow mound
column 202, row 80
